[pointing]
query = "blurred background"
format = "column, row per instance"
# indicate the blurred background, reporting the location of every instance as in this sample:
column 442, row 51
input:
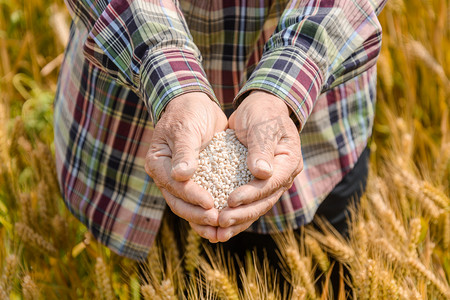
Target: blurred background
column 46, row 254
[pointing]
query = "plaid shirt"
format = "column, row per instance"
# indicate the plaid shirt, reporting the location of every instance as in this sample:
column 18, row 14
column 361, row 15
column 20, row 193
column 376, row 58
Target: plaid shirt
column 127, row 59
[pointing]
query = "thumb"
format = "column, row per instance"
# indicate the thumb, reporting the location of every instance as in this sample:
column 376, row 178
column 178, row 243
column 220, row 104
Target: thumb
column 261, row 150
column 185, row 153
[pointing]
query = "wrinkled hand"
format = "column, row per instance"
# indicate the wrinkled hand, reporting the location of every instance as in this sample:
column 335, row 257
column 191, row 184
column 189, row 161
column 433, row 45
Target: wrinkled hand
column 263, row 125
column 189, row 121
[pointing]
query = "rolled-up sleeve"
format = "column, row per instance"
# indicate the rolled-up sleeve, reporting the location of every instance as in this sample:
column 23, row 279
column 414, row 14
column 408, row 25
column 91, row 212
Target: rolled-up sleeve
column 144, row 44
column 317, row 45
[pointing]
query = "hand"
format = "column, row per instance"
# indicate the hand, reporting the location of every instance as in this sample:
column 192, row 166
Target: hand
column 189, row 121
column 263, row 125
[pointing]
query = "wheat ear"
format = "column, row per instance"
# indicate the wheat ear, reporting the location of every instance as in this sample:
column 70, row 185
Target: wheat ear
column 299, row 270
column 167, row 290
column 441, row 287
column 149, row 293
column 35, row 240
column 191, row 260
column 318, row 254
column 103, row 280
column 9, row 274
column 222, row 284
column 30, row 290
column 414, row 235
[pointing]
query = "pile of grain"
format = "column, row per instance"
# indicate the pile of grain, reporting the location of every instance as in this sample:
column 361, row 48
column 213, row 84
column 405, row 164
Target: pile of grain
column 223, row 167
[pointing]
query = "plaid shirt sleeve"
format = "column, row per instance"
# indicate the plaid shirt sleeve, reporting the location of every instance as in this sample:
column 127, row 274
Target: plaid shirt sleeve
column 144, row 44
column 316, row 46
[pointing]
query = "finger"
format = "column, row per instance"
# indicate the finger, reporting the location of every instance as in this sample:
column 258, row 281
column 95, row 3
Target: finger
column 230, row 217
column 261, row 151
column 224, row 234
column 207, row 232
column 185, row 149
column 158, row 165
column 189, row 212
column 286, row 167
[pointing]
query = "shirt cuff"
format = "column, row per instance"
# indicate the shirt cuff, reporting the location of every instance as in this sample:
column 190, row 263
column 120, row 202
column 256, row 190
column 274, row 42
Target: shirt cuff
column 289, row 74
column 168, row 73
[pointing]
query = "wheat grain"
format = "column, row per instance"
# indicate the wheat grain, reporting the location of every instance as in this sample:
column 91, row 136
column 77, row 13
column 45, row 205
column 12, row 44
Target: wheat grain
column 222, row 167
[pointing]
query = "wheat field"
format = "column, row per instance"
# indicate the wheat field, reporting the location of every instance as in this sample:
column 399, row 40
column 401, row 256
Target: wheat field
column 399, row 245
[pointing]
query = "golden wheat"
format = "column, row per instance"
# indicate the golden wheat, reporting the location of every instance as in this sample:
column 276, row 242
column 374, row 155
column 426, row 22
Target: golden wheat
column 35, row 240
column 394, row 251
column 103, row 280
column 29, row 288
column 9, row 272
column 318, row 254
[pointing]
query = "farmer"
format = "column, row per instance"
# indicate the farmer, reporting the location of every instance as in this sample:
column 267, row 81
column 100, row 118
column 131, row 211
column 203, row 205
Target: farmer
column 145, row 84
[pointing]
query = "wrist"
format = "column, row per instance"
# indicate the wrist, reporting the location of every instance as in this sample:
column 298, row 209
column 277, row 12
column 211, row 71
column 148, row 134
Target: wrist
column 183, row 101
column 269, row 101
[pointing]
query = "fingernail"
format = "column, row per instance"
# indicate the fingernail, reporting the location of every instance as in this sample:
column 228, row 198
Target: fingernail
column 183, row 166
column 263, row 165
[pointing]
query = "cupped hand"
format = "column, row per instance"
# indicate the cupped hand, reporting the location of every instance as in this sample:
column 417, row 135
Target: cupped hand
column 186, row 126
column 262, row 123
